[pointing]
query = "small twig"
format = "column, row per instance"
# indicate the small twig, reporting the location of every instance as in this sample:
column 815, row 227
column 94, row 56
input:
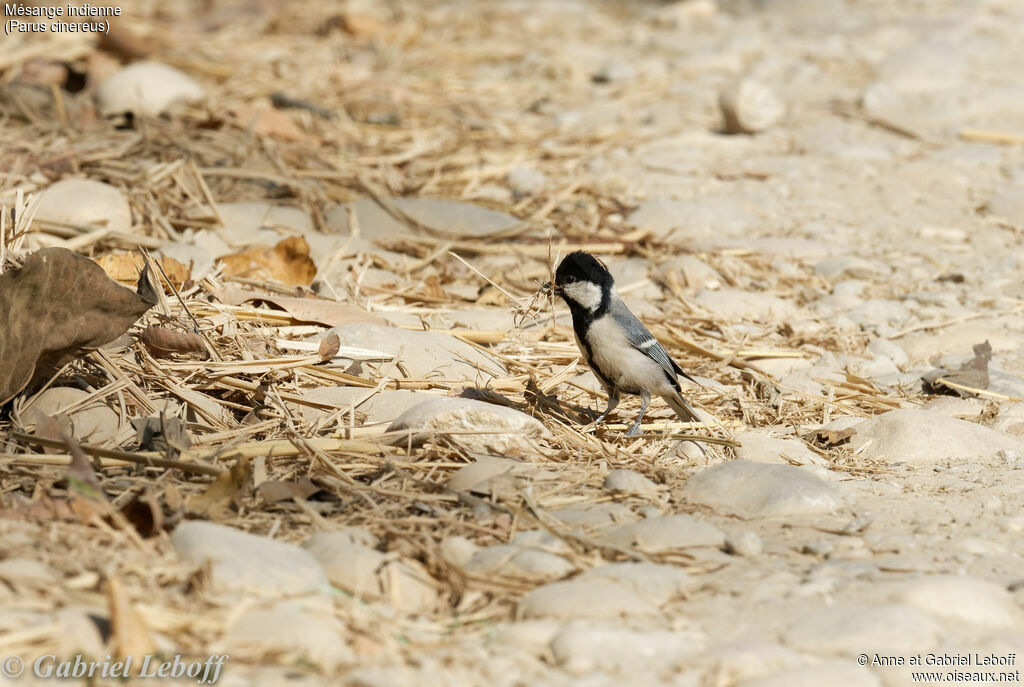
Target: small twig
column 147, row 459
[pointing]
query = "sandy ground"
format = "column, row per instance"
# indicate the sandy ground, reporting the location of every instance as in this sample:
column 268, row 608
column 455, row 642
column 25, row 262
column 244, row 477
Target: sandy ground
column 858, row 526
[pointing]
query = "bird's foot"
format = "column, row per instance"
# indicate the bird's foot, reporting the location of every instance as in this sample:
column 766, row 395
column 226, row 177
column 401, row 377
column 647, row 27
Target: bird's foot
column 634, row 429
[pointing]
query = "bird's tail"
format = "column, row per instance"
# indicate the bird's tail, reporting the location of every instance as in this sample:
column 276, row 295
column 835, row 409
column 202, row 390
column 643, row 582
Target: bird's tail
column 682, row 408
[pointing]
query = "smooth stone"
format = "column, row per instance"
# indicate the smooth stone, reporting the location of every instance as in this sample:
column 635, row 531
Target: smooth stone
column 247, row 223
column 424, row 354
column 879, row 311
column 585, row 599
column 1010, row 419
column 463, row 220
column 749, row 106
column 954, row 406
column 457, row 550
column 314, row 637
column 892, row 351
column 854, row 629
column 1008, row 202
column 976, row 601
column 746, row 544
column 366, row 573
column 526, row 181
column 147, row 88
column 85, row 202
column 758, row 490
column 708, row 216
column 596, row 516
column 736, row 304
column 761, row 447
column 506, row 560
column 628, row 481
column 850, row 267
column 817, row 675
column 383, row 406
column 925, row 437
column 201, row 260
column 656, row 582
column 489, row 427
column 488, row 474
column 242, row 562
column 691, row 273
column 580, row 649
column 93, row 423
column 665, row 533
column 615, row 71
column 748, row 660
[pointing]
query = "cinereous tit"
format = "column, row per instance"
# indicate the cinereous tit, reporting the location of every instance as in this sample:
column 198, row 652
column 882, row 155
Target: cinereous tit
column 614, row 343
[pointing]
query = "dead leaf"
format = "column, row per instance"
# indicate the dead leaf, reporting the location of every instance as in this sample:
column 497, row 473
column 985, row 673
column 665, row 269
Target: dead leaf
column 161, row 433
column 287, row 262
column 274, row 491
column 313, row 310
column 162, row 341
column 262, row 119
column 972, row 374
column 125, row 268
column 329, row 346
column 225, row 491
column 129, row 636
column 54, row 309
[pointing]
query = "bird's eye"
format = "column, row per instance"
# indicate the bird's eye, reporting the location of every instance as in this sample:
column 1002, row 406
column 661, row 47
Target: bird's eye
column 570, row 279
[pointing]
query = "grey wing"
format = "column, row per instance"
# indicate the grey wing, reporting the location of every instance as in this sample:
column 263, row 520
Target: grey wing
column 643, row 341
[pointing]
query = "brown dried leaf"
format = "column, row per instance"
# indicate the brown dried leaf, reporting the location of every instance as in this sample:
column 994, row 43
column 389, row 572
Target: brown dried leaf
column 129, row 635
column 227, row 489
column 329, row 346
column 287, row 262
column 125, row 268
column 144, row 513
column 54, row 309
column 162, row 341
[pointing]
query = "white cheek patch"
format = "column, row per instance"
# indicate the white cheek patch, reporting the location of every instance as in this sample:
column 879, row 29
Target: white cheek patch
column 584, row 293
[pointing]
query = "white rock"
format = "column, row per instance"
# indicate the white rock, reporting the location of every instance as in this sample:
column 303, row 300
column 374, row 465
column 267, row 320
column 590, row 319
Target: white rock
column 749, row 107
column 85, row 202
column 488, row 427
column 709, row 216
column 370, row 574
column 92, row 423
column 735, row 304
column 953, row 406
column 667, row 533
column 148, row 88
column 286, row 629
column 746, row 544
column 443, row 216
column 425, row 355
column 850, row 267
column 580, row 649
column 691, row 272
column 892, row 351
column 488, row 474
column 506, row 560
column 924, row 437
column 656, row 582
column 247, row 223
column 854, row 629
column 526, row 181
column 598, row 515
column 383, row 406
column 246, row 562
column 976, row 601
column 628, row 481
column 758, row 490
column 761, row 447
column 817, row 675
column 457, row 550
column 584, row 599
column 736, row 662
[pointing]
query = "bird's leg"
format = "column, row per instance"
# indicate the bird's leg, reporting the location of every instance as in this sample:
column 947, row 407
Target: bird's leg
column 613, row 400
column 634, row 429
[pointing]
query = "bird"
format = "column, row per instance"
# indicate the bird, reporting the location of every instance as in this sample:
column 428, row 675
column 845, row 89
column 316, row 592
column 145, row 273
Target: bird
column 615, row 344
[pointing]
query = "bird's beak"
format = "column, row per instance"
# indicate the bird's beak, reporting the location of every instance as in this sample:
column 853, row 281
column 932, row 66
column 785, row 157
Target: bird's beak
column 550, row 287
